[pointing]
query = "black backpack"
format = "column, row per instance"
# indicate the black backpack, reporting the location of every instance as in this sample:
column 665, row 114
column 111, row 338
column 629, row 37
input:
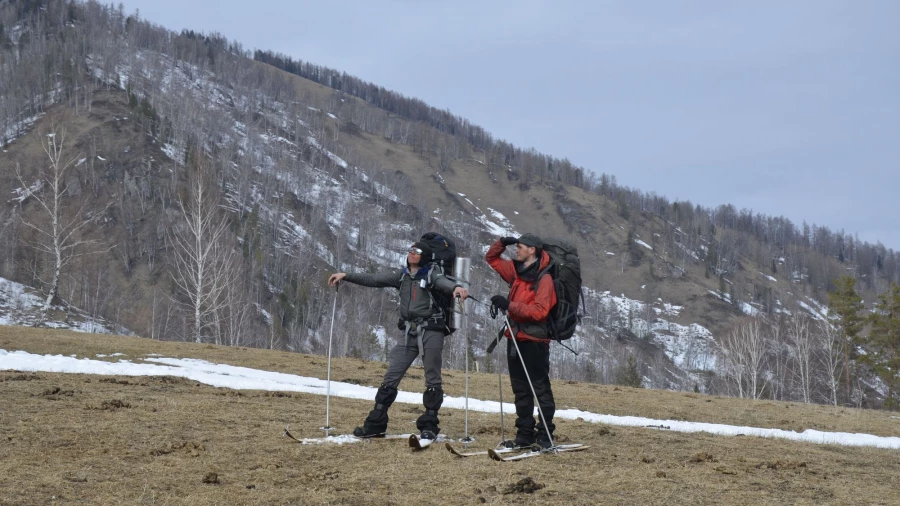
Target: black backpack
column 443, row 252
column 443, row 257
column 565, row 269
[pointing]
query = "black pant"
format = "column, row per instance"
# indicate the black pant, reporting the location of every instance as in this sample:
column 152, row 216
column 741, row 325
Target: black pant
column 401, row 358
column 537, row 360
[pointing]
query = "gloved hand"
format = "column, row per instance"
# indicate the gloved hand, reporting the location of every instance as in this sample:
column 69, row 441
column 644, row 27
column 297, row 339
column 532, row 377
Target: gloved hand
column 508, row 241
column 500, row 302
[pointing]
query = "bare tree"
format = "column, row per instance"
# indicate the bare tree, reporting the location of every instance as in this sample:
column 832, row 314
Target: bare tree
column 801, row 344
column 744, row 350
column 59, row 233
column 829, row 344
column 8, row 222
column 203, row 263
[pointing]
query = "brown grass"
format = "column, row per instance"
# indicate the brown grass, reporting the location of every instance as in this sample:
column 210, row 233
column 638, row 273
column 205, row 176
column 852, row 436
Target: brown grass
column 163, row 440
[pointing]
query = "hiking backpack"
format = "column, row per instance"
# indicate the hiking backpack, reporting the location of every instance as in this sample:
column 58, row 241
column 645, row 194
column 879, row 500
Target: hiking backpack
column 443, row 252
column 443, row 257
column 565, row 270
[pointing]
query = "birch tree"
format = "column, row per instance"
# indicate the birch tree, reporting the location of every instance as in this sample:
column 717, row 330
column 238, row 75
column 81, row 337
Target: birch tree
column 203, row 262
column 744, row 351
column 801, row 344
column 60, row 232
column 829, row 354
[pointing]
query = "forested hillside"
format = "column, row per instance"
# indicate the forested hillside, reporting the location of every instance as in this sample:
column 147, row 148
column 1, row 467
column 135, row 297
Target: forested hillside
column 182, row 187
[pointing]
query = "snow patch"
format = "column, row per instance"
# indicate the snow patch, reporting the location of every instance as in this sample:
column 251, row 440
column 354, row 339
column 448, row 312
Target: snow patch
column 243, row 378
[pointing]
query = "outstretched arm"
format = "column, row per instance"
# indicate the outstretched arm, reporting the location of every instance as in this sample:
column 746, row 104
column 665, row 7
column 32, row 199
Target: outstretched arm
column 387, row 279
column 336, row 278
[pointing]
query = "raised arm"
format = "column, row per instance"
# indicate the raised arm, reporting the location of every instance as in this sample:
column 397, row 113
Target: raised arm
column 494, row 258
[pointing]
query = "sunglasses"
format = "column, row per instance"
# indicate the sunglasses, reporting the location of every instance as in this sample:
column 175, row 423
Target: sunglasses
column 416, row 251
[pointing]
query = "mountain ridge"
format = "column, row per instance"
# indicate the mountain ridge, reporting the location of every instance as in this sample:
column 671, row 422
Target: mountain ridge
column 306, row 174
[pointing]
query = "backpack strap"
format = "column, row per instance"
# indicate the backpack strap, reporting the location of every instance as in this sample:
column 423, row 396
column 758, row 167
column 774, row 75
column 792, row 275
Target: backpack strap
column 545, row 270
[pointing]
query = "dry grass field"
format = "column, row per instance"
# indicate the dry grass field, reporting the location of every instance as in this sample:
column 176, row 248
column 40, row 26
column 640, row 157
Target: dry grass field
column 88, row 439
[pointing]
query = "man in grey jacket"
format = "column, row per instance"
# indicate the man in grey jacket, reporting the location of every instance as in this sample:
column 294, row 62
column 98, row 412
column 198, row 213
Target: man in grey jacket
column 424, row 327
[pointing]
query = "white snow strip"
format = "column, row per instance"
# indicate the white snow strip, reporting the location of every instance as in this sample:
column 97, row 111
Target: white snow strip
column 243, row 378
column 642, row 243
column 770, row 278
column 748, row 309
column 815, row 312
column 346, row 438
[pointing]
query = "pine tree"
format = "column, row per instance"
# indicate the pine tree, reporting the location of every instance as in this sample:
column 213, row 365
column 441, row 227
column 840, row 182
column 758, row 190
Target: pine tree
column 629, row 375
column 884, row 342
column 635, row 251
column 846, row 303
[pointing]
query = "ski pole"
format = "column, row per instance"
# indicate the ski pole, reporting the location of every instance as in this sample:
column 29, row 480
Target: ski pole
column 528, row 377
column 465, row 319
column 500, row 388
column 461, row 270
column 328, row 428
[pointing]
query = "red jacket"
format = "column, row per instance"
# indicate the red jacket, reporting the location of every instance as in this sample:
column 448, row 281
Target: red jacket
column 528, row 308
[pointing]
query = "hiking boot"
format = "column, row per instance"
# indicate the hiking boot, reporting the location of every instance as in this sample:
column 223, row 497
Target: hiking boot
column 427, row 434
column 375, row 424
column 363, row 432
column 524, row 439
column 543, row 440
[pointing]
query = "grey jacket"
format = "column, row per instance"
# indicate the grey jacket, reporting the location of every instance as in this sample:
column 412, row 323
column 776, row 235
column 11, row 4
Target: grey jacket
column 416, row 302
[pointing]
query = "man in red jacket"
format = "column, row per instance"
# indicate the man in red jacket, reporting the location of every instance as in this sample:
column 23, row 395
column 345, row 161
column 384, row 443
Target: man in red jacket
column 531, row 296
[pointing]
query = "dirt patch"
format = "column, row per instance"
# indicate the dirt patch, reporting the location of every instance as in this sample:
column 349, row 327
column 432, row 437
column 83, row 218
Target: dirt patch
column 277, row 394
column 111, row 405
column 524, row 486
column 173, row 380
column 18, row 377
column 55, row 393
column 117, row 381
column 702, row 457
column 488, row 429
column 231, row 393
column 192, row 448
column 778, row 465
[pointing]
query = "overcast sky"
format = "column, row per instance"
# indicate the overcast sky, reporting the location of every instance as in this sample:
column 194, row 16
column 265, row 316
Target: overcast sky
column 786, row 108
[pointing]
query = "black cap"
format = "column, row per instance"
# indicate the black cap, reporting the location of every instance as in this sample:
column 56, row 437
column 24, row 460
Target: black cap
column 426, row 250
column 531, row 240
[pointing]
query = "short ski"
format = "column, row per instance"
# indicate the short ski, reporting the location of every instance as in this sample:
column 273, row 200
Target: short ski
column 328, row 439
column 419, row 444
column 549, row 451
column 498, row 451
